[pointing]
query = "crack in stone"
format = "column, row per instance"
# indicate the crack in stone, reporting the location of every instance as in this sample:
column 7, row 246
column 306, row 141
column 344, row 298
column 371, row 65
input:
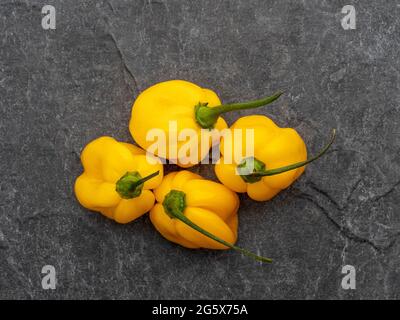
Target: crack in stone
column 36, row 215
column 111, row 6
column 22, row 278
column 386, row 193
column 325, row 194
column 117, row 47
column 392, row 242
column 161, row 3
column 123, row 60
column 353, row 189
column 346, row 232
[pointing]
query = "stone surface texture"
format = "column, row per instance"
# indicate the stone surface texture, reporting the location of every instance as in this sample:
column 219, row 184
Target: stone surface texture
column 59, row 89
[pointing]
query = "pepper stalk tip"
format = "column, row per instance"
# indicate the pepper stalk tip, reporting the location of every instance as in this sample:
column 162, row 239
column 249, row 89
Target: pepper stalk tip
column 261, row 172
column 207, row 117
column 174, row 205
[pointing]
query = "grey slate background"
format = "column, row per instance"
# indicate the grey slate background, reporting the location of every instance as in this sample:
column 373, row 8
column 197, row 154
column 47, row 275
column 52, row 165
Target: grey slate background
column 59, row 89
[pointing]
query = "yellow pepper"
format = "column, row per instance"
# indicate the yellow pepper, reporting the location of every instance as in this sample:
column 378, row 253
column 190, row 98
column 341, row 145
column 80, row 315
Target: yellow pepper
column 280, row 155
column 197, row 213
column 116, row 179
column 190, row 107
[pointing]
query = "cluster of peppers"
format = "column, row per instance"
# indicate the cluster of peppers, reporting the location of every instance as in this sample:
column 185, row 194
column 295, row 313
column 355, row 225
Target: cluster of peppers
column 120, row 182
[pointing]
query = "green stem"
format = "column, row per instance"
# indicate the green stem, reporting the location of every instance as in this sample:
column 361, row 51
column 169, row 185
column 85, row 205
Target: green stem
column 272, row 172
column 146, row 178
column 174, row 204
column 185, row 220
column 131, row 184
column 206, row 116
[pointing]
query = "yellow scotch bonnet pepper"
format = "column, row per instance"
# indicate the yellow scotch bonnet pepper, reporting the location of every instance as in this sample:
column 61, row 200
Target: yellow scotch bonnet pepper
column 190, row 107
column 280, row 156
column 197, row 213
column 117, row 179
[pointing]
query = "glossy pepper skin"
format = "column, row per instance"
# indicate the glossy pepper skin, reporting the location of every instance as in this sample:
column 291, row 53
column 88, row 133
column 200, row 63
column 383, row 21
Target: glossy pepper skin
column 197, row 213
column 280, row 156
column 187, row 104
column 117, row 179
